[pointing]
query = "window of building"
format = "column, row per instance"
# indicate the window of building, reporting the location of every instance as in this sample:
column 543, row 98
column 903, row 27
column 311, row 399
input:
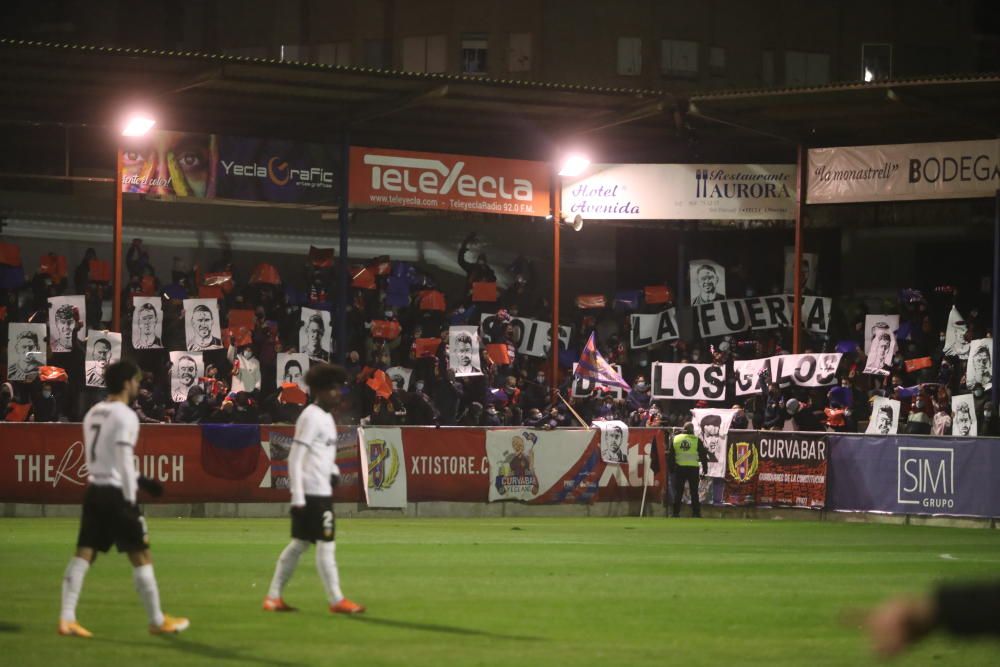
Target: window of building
column 806, row 69
column 424, row 53
column 337, row 53
column 767, row 68
column 474, row 53
column 678, row 57
column 374, row 55
column 876, row 62
column 629, row 56
column 717, row 59
column 519, row 52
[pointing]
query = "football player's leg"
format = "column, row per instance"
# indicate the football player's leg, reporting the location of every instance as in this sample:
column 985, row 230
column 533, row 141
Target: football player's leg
column 145, row 585
column 285, row 568
column 72, row 585
column 326, row 564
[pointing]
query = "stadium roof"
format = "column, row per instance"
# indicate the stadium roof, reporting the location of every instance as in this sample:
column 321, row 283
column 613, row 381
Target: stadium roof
column 47, row 83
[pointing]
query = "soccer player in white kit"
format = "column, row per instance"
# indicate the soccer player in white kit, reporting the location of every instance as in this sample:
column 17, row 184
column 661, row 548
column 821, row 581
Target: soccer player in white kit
column 110, row 513
column 312, row 474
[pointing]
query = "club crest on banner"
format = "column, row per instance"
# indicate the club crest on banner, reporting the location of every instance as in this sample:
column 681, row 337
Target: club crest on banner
column 383, row 465
column 743, row 461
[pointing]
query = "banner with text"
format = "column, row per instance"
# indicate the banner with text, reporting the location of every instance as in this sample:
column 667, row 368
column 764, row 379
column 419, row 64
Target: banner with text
column 682, row 192
column 956, row 169
column 653, row 328
column 914, row 475
column 394, row 178
column 530, row 336
column 776, row 469
column 730, row 316
column 212, row 166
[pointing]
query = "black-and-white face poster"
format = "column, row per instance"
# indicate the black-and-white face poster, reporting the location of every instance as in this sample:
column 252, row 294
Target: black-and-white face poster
column 585, row 387
column 614, row 441
column 400, row 377
column 805, row 370
column 147, row 323
column 807, row 271
column 463, row 351
column 185, row 369
column 292, row 367
column 955, row 344
column 963, row 416
column 103, row 349
column 885, row 417
column 25, row 351
column 979, row 368
column 67, row 314
column 201, row 324
column 649, row 329
column 750, row 376
column 880, row 342
column 694, row 382
column 708, row 281
column 712, row 427
column 315, row 336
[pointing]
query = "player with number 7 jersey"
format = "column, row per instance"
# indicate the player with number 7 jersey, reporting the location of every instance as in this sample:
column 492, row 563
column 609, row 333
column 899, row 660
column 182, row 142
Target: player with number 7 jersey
column 312, row 476
column 111, row 514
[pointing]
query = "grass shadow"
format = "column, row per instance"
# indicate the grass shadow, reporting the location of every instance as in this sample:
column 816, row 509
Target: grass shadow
column 434, row 627
column 201, row 650
column 9, row 627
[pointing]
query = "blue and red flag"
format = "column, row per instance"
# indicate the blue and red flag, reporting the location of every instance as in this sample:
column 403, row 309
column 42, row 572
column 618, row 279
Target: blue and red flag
column 593, row 366
column 230, row 451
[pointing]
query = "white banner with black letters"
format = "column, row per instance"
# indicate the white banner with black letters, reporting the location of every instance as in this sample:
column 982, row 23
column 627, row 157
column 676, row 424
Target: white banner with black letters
column 805, row 370
column 955, row 169
column 531, row 336
column 650, row 329
column 750, row 376
column 694, row 382
column 723, row 318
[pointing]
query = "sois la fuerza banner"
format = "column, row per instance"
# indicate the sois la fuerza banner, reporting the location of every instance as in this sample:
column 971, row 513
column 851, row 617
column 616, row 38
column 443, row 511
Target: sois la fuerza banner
column 772, row 468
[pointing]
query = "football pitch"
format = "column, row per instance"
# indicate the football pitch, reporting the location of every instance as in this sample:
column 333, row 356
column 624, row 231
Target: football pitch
column 494, row 592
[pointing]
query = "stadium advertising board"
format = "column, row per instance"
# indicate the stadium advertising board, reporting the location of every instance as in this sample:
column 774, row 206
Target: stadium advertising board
column 915, row 475
column 213, row 166
column 682, row 192
column 956, row 169
column 772, row 468
column 383, row 178
column 44, row 463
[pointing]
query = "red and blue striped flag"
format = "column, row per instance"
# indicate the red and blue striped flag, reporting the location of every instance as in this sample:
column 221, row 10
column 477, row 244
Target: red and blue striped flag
column 594, row 367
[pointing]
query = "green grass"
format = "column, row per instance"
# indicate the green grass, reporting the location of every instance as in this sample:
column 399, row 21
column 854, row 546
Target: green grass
column 506, row 592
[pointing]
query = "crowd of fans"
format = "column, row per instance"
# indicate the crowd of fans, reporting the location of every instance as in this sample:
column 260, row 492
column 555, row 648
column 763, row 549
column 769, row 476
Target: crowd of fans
column 240, row 384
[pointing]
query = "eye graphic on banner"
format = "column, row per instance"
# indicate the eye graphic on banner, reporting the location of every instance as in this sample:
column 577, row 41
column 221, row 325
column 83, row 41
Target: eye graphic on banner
column 963, row 416
column 712, row 427
column 67, row 314
column 201, row 325
column 880, row 334
column 25, row 351
column 315, row 336
column 885, row 417
column 147, row 323
column 463, row 351
column 185, row 369
column 955, row 344
column 979, row 369
column 708, row 281
column 103, row 348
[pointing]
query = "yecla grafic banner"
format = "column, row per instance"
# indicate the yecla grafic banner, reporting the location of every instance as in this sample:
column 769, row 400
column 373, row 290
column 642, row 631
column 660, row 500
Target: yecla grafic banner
column 653, row 328
column 956, row 169
column 393, row 178
column 722, row 318
column 774, row 468
column 103, row 348
column 525, row 464
column 531, row 336
column 682, row 192
column 383, row 467
column 210, row 166
column 914, row 475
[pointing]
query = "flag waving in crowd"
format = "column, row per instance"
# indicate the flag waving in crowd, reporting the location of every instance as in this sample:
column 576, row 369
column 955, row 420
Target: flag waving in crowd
column 594, row 367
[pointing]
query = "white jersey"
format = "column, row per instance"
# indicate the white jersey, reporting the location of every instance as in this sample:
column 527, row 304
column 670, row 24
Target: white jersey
column 313, row 455
column 110, row 431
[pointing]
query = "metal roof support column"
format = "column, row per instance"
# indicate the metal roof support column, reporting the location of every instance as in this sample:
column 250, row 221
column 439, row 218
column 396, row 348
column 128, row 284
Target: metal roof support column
column 342, row 266
column 800, row 205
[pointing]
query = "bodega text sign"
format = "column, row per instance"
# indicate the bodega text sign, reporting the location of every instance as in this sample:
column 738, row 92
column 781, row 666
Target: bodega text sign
column 697, row 382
